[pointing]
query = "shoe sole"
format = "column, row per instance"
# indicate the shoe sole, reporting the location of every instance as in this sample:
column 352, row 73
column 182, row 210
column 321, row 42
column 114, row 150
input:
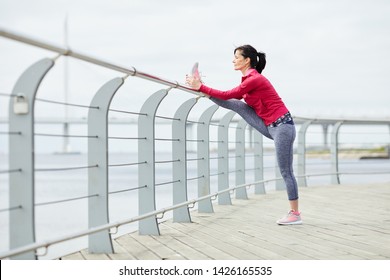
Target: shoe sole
column 290, row 223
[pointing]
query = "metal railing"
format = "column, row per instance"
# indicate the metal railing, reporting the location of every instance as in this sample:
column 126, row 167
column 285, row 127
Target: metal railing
column 22, row 170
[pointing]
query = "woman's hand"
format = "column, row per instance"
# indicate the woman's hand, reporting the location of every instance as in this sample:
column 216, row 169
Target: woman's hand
column 193, row 82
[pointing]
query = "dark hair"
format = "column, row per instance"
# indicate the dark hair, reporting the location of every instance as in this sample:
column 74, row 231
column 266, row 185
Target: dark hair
column 257, row 58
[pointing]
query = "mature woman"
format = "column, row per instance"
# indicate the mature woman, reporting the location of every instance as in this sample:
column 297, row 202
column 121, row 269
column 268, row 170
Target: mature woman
column 265, row 111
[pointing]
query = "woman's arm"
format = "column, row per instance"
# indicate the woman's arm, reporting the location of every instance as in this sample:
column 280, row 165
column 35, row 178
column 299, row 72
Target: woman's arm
column 236, row 93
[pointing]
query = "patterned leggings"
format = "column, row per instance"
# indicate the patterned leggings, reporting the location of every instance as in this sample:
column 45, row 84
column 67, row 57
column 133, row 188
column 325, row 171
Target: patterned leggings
column 283, row 136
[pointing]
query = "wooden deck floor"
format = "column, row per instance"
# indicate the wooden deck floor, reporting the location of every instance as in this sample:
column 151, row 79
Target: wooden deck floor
column 340, row 222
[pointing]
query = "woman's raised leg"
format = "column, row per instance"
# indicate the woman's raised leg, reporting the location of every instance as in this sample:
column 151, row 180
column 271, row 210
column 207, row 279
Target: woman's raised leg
column 246, row 112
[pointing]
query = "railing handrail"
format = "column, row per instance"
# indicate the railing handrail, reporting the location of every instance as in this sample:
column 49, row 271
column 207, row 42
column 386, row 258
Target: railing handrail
column 297, row 119
column 348, row 120
column 68, row 52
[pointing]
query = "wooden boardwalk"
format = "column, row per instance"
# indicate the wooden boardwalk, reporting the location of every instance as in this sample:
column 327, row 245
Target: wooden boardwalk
column 340, row 222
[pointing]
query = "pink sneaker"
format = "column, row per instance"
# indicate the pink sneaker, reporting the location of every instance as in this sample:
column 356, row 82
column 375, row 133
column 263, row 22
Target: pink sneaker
column 195, row 71
column 292, row 218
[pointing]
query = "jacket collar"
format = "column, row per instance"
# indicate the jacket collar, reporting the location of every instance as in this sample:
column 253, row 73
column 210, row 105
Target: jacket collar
column 249, row 72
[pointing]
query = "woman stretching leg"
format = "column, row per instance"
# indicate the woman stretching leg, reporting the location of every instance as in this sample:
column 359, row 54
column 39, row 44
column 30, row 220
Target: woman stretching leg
column 264, row 110
column 246, row 112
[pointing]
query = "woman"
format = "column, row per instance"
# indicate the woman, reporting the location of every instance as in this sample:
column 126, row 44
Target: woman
column 265, row 111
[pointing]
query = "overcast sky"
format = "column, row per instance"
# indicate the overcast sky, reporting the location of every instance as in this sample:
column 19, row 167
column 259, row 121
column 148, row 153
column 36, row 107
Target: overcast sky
column 325, row 58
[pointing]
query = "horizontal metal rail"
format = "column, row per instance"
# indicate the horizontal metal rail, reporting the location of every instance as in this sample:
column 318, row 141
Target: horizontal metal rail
column 351, row 121
column 68, row 52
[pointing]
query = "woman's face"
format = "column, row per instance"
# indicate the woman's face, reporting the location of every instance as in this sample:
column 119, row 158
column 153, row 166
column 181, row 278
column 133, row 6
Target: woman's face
column 240, row 62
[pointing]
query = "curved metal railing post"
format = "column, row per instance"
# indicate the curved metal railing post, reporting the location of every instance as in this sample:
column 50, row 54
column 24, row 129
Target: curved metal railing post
column 146, row 154
column 241, row 193
column 223, row 158
column 21, row 156
column 302, row 153
column 204, row 206
column 99, row 242
column 334, row 153
column 179, row 166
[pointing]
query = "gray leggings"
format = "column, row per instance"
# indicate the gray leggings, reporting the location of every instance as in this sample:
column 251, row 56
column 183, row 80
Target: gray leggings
column 283, row 136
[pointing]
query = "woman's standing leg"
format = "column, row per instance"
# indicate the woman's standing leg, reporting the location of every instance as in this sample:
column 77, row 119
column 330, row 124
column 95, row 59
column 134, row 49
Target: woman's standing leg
column 284, row 136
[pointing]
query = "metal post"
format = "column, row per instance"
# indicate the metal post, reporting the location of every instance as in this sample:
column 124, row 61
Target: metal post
column 204, row 206
column 325, row 135
column 302, row 154
column 223, row 158
column 334, row 151
column 259, row 162
column 21, row 156
column 146, row 156
column 99, row 242
column 388, row 146
column 241, row 193
column 66, row 142
column 179, row 151
column 250, row 137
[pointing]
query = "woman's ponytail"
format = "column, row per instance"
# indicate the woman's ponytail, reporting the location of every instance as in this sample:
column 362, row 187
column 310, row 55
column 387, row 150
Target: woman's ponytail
column 261, row 62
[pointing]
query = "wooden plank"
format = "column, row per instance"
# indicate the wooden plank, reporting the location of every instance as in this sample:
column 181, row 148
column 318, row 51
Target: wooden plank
column 274, row 239
column 161, row 250
column 277, row 239
column 180, row 247
column 136, row 248
column 89, row 256
column 195, row 243
column 120, row 253
column 223, row 241
column 74, row 257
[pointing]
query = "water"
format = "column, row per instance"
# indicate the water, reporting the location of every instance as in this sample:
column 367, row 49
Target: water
column 58, row 219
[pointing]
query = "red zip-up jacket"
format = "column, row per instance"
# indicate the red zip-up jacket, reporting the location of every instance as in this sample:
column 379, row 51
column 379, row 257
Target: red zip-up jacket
column 257, row 92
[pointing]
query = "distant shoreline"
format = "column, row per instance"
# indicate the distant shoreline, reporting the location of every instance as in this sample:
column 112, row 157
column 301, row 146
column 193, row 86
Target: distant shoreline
column 351, row 154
